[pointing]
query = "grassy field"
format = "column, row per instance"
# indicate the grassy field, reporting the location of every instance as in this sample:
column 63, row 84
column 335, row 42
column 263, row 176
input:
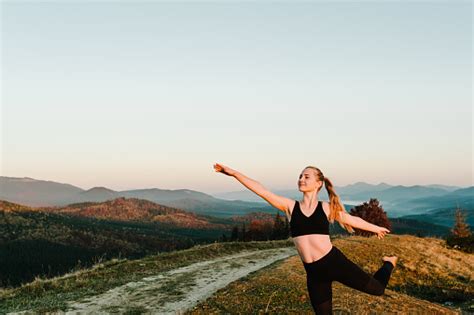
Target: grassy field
column 44, row 295
column 429, row 279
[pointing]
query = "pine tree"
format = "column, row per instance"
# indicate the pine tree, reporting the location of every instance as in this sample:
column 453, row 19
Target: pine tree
column 461, row 228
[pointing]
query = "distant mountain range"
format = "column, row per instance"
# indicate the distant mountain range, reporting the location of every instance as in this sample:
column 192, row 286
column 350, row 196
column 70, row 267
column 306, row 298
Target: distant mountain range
column 359, row 191
column 359, row 187
column 397, row 201
column 39, row 193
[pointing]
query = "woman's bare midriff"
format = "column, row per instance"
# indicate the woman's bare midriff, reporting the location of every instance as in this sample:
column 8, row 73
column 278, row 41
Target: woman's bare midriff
column 312, row 247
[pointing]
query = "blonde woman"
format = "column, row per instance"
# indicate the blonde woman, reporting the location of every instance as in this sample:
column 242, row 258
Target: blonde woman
column 309, row 228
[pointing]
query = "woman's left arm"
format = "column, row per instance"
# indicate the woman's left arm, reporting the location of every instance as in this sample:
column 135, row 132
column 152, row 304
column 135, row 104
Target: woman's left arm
column 361, row 224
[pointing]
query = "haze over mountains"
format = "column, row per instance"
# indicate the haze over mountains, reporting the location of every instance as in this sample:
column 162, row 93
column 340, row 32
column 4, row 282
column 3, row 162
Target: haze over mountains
column 398, row 201
column 356, row 192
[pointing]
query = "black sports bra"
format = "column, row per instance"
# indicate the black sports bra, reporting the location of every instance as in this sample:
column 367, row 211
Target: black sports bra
column 316, row 223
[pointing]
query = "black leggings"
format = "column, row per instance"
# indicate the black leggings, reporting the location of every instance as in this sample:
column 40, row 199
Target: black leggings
column 334, row 266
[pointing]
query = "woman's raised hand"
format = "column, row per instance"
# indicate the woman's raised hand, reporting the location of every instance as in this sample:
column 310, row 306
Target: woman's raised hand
column 381, row 231
column 224, row 169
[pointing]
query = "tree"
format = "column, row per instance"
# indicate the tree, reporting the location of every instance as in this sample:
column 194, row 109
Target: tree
column 461, row 228
column 259, row 230
column 461, row 237
column 224, row 237
column 279, row 228
column 244, row 236
column 234, row 236
column 371, row 212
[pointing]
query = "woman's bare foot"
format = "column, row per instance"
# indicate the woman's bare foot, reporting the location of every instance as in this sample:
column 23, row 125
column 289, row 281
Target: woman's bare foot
column 391, row 259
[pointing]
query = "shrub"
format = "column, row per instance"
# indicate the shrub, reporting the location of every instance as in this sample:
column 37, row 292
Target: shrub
column 371, row 212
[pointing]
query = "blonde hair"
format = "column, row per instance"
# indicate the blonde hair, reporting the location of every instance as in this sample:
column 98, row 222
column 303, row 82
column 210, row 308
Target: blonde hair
column 335, row 203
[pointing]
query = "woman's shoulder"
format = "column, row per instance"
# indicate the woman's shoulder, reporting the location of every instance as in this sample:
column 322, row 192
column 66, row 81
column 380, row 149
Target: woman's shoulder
column 291, row 206
column 326, row 207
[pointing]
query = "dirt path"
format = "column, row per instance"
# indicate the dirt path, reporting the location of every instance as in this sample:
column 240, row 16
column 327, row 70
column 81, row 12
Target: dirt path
column 172, row 292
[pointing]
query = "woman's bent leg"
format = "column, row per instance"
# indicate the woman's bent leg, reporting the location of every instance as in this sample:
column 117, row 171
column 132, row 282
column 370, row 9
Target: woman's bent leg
column 383, row 274
column 353, row 276
column 379, row 281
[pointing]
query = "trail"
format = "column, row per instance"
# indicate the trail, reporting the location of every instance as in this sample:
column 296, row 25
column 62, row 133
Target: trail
column 174, row 291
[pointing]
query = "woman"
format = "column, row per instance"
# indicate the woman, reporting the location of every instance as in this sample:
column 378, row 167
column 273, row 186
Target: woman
column 309, row 227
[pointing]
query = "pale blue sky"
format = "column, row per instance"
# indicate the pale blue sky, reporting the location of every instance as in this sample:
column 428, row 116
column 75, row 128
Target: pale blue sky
column 151, row 94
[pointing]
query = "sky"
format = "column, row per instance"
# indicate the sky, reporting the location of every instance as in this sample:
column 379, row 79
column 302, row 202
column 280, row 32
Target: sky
column 151, row 94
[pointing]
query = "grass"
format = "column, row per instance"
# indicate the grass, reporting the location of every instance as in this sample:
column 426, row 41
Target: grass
column 428, row 275
column 44, row 295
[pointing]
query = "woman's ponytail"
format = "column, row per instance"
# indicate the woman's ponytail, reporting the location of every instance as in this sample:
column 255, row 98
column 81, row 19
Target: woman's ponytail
column 335, row 204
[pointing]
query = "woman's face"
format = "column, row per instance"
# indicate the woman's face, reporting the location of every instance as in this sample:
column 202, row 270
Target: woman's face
column 308, row 181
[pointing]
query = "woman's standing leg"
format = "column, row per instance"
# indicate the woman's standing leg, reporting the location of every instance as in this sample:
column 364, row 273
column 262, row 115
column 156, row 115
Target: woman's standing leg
column 319, row 285
column 320, row 294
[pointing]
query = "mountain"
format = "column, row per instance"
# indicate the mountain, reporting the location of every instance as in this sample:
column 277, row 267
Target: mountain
column 247, row 195
column 418, row 227
column 444, row 217
column 351, row 189
column 399, row 192
column 36, row 192
column 96, row 194
column 468, row 191
column 396, row 200
column 361, row 187
column 445, row 187
column 348, row 191
column 133, row 209
column 463, row 198
column 404, row 225
column 353, row 193
column 166, row 195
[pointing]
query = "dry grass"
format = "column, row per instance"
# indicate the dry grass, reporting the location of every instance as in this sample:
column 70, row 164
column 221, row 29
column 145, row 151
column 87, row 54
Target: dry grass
column 427, row 270
column 44, row 295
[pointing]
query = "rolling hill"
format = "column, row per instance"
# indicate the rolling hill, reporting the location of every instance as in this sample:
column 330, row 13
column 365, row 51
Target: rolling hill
column 34, row 242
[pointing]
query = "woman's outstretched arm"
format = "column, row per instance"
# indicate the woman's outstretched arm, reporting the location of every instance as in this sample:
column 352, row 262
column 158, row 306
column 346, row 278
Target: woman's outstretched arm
column 361, row 224
column 279, row 202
